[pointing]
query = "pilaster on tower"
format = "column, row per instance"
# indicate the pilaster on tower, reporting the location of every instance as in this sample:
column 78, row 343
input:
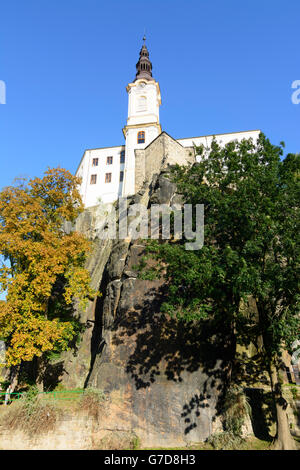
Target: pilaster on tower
column 143, row 124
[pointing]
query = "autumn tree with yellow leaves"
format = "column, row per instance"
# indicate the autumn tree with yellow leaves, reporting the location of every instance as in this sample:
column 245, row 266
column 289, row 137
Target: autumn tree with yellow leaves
column 43, row 268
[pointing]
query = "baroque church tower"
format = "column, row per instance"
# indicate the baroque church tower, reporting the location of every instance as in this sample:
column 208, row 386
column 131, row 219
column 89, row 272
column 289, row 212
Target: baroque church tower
column 143, row 125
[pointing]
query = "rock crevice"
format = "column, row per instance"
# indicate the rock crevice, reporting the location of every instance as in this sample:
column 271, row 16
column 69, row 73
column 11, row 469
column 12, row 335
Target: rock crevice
column 164, row 381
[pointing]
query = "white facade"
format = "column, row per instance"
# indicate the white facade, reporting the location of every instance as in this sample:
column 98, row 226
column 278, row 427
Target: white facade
column 222, row 139
column 108, row 173
column 143, row 116
column 94, row 167
column 106, row 181
column 104, row 191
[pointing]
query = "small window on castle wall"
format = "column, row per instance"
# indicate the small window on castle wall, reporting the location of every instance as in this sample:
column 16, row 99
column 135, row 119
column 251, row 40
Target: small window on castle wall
column 141, row 137
column 121, row 176
column 107, row 177
column 122, row 156
column 93, row 179
column 109, row 160
column 95, row 161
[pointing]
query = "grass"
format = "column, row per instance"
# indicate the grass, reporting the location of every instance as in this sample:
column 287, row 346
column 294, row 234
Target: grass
column 36, row 414
column 251, row 443
column 119, row 440
column 34, row 419
column 45, row 413
column 91, row 402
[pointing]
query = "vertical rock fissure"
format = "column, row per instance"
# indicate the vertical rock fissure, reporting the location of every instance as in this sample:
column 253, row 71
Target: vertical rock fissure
column 97, row 340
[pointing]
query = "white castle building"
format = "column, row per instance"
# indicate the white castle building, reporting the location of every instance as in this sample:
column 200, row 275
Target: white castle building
column 110, row 172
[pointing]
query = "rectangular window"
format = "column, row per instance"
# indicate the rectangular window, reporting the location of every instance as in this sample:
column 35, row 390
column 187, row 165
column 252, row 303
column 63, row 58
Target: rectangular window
column 93, row 179
column 122, row 156
column 107, row 177
column 95, row 161
column 121, row 176
column 109, row 160
column 141, row 137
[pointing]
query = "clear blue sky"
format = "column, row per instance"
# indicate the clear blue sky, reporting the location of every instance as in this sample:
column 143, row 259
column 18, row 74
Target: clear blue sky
column 223, row 66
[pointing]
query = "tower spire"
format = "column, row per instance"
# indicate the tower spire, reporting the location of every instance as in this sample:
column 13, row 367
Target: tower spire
column 144, row 66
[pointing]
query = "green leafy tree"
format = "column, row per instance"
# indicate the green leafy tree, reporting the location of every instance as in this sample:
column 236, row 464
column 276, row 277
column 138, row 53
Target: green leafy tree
column 251, row 248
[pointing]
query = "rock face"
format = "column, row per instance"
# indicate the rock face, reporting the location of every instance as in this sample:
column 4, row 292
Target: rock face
column 164, row 380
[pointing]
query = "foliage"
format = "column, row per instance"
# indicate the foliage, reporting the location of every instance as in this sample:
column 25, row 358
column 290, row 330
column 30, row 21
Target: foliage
column 119, row 440
column 30, row 399
column 225, row 440
column 295, row 392
column 30, row 414
column 92, row 402
column 236, row 410
column 251, row 246
column 135, row 443
column 44, row 271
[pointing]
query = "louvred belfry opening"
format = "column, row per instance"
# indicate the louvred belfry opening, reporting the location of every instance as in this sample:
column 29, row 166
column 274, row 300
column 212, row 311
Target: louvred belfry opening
column 144, row 66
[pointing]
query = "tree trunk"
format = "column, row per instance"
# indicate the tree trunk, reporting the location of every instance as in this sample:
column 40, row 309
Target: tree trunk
column 39, row 373
column 283, row 439
column 14, row 378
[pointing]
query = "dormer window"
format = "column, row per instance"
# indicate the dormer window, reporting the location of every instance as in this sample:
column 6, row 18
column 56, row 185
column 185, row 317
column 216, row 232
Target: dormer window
column 141, row 137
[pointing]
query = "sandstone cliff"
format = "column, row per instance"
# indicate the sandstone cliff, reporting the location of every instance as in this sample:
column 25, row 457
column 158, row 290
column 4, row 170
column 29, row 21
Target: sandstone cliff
column 164, row 382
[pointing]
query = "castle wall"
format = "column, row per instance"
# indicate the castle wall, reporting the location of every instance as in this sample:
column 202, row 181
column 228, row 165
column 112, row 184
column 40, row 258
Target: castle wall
column 162, row 152
column 222, row 139
column 106, row 191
